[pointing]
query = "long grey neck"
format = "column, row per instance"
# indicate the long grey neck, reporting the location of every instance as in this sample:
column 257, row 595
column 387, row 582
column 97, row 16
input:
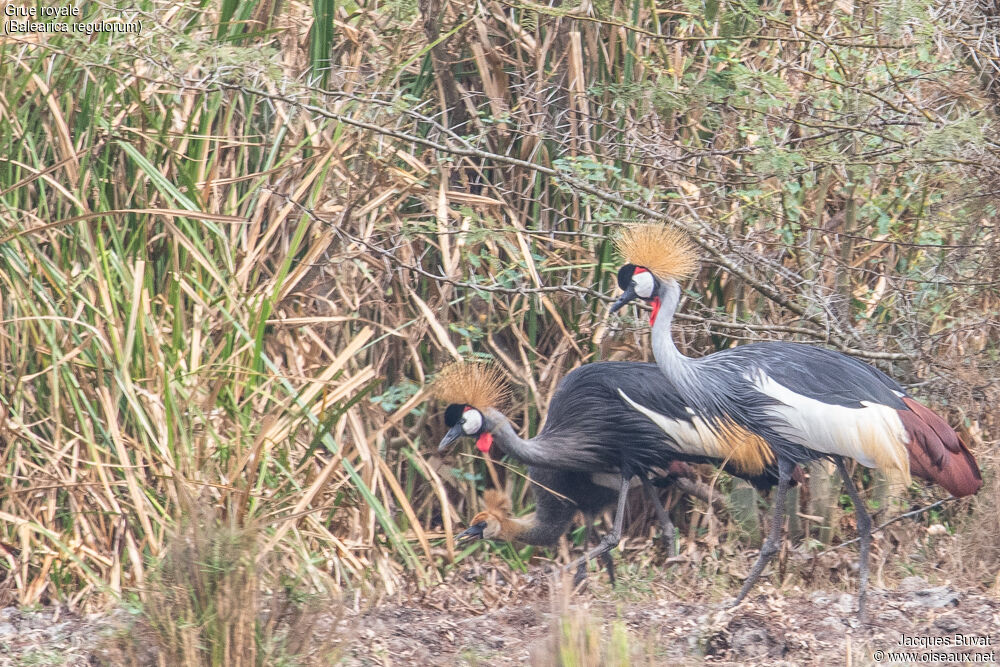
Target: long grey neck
column 530, row 451
column 674, row 365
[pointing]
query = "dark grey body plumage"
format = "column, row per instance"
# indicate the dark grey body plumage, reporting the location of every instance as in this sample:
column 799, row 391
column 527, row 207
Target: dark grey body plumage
column 588, row 416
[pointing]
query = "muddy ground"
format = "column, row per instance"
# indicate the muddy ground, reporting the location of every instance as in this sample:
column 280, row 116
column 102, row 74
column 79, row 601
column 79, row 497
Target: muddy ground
column 485, row 614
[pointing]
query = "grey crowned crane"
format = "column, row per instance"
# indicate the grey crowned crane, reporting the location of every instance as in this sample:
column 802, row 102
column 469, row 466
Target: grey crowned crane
column 606, row 423
column 799, row 402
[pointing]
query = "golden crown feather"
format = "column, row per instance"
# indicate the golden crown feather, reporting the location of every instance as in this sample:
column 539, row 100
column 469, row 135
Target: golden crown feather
column 474, row 383
column 665, row 251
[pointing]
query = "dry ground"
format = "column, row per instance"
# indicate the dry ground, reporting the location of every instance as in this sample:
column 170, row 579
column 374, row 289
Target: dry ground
column 795, row 627
column 485, row 614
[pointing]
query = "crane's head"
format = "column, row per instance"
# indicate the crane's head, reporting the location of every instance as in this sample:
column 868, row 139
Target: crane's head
column 471, row 389
column 655, row 255
column 462, row 419
column 490, row 522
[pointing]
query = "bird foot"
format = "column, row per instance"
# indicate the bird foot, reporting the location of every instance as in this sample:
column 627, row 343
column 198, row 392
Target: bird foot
column 671, row 546
column 857, row 623
column 863, row 609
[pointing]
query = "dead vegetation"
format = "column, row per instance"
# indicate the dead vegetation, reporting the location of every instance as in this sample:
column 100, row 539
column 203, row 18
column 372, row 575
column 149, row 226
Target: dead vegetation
column 227, row 277
column 662, row 612
column 214, row 599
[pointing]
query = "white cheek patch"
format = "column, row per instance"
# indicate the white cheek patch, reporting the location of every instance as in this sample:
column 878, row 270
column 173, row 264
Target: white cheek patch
column 472, row 421
column 643, row 284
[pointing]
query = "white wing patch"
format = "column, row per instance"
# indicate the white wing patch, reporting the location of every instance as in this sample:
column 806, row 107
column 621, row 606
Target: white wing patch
column 692, row 436
column 872, row 435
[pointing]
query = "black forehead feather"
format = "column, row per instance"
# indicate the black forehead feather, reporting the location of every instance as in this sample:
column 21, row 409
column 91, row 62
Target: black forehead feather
column 453, row 413
column 625, row 275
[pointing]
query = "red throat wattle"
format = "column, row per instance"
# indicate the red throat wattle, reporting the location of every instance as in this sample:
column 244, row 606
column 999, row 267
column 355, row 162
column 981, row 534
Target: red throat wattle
column 656, row 310
column 484, row 442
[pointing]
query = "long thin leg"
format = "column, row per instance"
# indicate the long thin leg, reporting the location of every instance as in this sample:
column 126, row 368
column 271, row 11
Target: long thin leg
column 614, row 536
column 581, row 570
column 666, row 525
column 606, row 559
column 864, row 535
column 770, row 546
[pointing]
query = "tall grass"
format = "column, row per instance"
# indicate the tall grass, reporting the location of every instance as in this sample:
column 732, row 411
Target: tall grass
column 154, row 343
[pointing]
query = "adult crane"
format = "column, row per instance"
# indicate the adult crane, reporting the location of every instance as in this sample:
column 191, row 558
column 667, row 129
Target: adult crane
column 606, row 422
column 795, row 402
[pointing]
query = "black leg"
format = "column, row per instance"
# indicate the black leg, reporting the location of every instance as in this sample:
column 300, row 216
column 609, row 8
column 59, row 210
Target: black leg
column 606, row 560
column 666, row 525
column 770, row 546
column 609, row 566
column 864, row 535
column 611, row 539
column 581, row 570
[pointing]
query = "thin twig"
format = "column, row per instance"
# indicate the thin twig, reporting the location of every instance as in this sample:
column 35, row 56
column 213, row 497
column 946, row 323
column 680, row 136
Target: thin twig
column 919, row 510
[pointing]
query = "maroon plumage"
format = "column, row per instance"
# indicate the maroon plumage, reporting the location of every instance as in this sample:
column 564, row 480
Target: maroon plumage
column 937, row 453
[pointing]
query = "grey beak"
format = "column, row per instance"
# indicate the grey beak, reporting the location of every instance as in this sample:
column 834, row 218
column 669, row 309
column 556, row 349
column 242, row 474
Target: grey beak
column 626, row 296
column 473, row 532
column 453, row 434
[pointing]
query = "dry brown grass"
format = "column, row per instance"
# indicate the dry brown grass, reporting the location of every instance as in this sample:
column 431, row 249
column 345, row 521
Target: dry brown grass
column 205, row 604
column 220, row 282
